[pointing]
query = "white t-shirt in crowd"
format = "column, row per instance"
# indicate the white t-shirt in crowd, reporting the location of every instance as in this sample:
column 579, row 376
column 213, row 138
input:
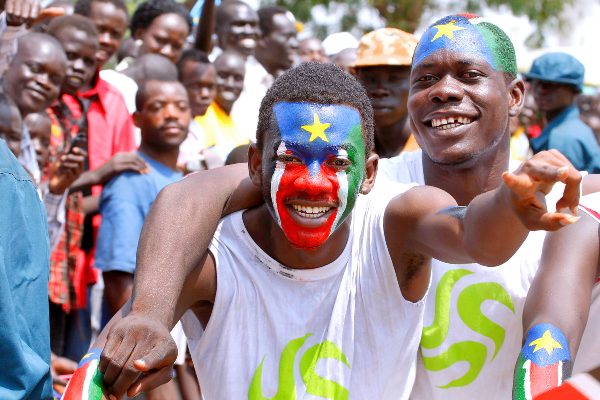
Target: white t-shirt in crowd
column 473, row 314
column 343, row 330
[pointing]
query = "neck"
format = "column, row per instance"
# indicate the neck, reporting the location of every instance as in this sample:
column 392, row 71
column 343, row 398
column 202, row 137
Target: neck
column 390, row 139
column 465, row 181
column 262, row 56
column 165, row 157
column 272, row 240
column 225, row 107
column 550, row 115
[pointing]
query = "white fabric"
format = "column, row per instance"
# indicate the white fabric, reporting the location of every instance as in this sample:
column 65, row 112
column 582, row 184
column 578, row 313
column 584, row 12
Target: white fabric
column 245, row 110
column 181, row 342
column 355, row 303
column 490, row 300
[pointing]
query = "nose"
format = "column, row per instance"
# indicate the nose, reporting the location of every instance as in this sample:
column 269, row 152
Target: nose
column 105, row 38
column 171, row 112
column 79, row 65
column 446, row 90
column 314, row 183
column 205, row 92
column 293, row 43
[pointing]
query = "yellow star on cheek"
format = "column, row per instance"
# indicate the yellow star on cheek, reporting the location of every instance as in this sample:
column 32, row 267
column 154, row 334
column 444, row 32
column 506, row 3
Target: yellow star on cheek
column 446, row 30
column 317, row 129
column 546, row 342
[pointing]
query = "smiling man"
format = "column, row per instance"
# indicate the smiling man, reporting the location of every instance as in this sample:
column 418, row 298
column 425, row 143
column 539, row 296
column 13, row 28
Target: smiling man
column 321, row 272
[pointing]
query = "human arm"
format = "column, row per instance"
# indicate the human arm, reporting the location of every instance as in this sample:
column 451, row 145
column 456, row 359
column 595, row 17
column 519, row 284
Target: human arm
column 558, row 302
column 493, row 226
column 120, row 162
column 206, row 27
column 590, row 184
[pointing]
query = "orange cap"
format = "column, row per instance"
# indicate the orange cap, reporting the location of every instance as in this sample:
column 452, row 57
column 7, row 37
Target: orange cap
column 386, row 46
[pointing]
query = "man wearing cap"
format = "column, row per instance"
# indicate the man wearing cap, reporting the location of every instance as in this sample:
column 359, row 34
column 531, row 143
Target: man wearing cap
column 557, row 78
column 383, row 66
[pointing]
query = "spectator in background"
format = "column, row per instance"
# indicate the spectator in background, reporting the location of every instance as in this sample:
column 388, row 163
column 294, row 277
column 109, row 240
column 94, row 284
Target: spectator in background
column 111, row 19
column 163, row 117
column 556, row 79
column 161, row 27
column 40, row 129
column 13, row 19
column 311, row 49
column 589, row 107
column 33, row 82
column 198, row 76
column 11, row 124
column 383, row 66
column 221, row 132
column 341, row 49
column 236, row 28
column 90, row 115
column 275, row 52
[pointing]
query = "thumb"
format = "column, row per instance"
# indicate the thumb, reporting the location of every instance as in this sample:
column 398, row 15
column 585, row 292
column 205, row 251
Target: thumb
column 160, row 356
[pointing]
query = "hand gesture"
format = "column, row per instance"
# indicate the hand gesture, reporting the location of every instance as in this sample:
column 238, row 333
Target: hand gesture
column 120, row 162
column 19, row 12
column 137, row 345
column 534, row 179
column 66, row 170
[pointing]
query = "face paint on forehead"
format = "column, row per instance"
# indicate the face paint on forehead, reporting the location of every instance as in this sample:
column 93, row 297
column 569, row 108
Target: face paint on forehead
column 319, row 168
column 472, row 35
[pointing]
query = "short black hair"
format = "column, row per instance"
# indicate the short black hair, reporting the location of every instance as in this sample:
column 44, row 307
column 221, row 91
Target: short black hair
column 77, row 22
column 194, row 55
column 265, row 18
column 142, row 93
column 84, row 7
column 221, row 15
column 317, row 83
column 149, row 10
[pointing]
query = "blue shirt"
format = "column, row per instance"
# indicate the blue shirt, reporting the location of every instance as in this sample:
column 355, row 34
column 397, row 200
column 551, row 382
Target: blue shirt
column 124, row 204
column 24, row 270
column 573, row 138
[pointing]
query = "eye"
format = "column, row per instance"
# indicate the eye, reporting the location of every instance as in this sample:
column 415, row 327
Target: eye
column 472, row 74
column 426, row 78
column 339, row 162
column 288, row 158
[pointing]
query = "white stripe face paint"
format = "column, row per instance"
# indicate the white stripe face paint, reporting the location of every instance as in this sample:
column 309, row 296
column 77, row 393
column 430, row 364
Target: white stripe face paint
column 342, row 193
column 276, row 179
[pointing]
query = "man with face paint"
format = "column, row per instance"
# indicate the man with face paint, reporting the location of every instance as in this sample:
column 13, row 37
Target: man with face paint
column 310, row 279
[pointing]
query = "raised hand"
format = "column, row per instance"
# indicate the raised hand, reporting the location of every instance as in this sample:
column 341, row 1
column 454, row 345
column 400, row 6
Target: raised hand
column 66, row 170
column 120, row 162
column 19, row 12
column 533, row 180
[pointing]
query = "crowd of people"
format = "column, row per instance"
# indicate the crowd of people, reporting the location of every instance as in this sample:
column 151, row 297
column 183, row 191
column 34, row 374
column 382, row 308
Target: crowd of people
column 354, row 221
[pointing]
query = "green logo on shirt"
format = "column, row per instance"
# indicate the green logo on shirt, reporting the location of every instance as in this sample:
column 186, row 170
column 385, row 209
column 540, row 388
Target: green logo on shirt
column 315, row 384
column 469, row 309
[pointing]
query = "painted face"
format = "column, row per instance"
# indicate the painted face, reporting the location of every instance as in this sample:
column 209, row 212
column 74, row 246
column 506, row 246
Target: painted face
column 459, row 100
column 319, row 166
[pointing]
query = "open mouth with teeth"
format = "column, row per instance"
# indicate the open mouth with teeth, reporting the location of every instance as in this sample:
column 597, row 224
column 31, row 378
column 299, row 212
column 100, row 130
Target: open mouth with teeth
column 450, row 122
column 311, row 212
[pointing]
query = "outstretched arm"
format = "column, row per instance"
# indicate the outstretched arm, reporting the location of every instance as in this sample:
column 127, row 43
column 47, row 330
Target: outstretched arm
column 557, row 306
column 427, row 221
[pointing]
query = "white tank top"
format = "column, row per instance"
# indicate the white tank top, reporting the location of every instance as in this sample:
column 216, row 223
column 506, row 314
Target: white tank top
column 473, row 314
column 341, row 331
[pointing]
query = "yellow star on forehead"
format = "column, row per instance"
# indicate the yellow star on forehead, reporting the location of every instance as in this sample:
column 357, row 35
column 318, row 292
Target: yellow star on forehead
column 86, row 356
column 546, row 342
column 446, row 30
column 317, row 129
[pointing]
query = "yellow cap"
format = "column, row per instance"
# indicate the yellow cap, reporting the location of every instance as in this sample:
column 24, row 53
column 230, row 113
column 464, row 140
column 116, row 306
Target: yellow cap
column 386, row 46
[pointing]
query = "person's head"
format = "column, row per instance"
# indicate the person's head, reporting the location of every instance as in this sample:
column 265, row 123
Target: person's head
column 111, row 19
column 383, row 65
column 278, row 47
column 237, row 27
column 311, row 49
column 198, row 76
column 163, row 114
column 556, row 79
column 10, row 124
column 129, row 48
column 34, row 78
column 40, row 128
column 463, row 90
column 313, row 152
column 162, row 27
column 152, row 67
column 79, row 39
column 231, row 70
column 345, row 59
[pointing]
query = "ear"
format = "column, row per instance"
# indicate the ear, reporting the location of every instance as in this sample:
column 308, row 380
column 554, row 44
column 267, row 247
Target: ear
column 371, row 169
column 517, row 97
column 136, row 119
column 255, row 165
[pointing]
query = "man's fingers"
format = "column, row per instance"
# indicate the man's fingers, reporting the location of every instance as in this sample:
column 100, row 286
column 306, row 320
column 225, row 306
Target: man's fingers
column 555, row 221
column 117, row 360
column 151, row 381
column 111, row 347
column 161, row 356
column 127, row 377
column 570, row 198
